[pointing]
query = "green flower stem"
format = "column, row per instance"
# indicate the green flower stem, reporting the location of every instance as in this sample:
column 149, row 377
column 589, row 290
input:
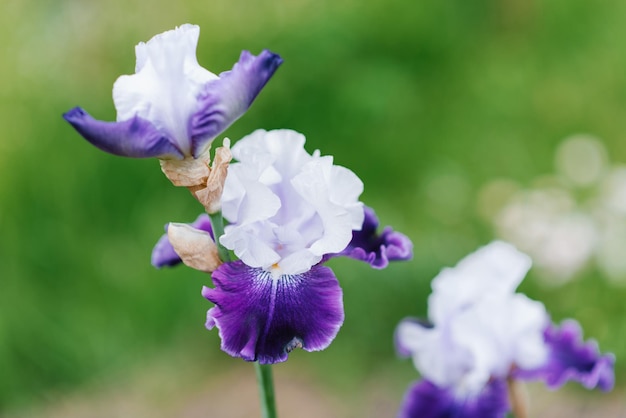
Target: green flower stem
column 217, row 223
column 263, row 371
column 266, row 389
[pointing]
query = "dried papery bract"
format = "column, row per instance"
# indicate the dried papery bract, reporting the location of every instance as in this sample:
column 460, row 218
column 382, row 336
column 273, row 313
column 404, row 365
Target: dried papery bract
column 205, row 182
column 189, row 172
column 195, row 247
column 210, row 195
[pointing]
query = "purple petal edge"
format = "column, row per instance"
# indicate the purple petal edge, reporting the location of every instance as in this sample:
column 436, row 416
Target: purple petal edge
column 226, row 99
column 135, row 138
column 426, row 400
column 262, row 318
column 377, row 250
column 163, row 254
column 571, row 358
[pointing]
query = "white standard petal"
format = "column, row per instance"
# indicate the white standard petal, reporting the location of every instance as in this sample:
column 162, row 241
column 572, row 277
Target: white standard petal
column 166, row 85
column 317, row 184
column 301, row 206
column 252, row 244
column 283, row 149
column 524, row 332
column 435, row 355
column 501, row 331
column 498, row 267
column 245, row 199
column 345, row 189
column 479, row 343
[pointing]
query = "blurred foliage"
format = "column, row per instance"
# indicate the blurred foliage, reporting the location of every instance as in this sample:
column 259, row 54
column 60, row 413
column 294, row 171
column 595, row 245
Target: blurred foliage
column 425, row 100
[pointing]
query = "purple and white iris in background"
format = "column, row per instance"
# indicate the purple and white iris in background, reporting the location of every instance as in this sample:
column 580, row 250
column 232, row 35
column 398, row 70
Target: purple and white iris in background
column 481, row 334
column 172, row 108
column 287, row 212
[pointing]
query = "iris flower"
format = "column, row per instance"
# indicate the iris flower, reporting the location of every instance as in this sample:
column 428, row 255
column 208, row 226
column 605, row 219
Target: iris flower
column 287, row 213
column 481, row 335
column 172, row 108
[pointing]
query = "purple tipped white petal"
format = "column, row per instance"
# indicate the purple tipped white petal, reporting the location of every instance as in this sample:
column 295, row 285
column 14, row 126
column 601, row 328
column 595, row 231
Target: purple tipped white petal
column 135, row 137
column 166, row 85
column 261, row 317
column 426, row 400
column 163, row 253
column 377, row 249
column 224, row 100
column 172, row 107
column 571, row 358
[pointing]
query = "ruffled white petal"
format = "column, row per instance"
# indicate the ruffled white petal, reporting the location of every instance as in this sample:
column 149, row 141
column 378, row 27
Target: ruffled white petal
column 252, row 244
column 501, row 331
column 496, row 268
column 481, row 327
column 166, row 85
column 434, row 354
column 292, row 207
column 317, row 184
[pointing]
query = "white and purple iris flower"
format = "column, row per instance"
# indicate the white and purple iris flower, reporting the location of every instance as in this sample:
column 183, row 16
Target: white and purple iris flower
column 172, row 108
column 481, row 333
column 287, row 212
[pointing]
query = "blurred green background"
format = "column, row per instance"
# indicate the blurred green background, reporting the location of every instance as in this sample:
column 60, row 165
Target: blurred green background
column 426, row 100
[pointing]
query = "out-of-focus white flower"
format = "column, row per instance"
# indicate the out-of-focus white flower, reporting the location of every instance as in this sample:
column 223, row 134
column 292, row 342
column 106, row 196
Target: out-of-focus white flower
column 546, row 224
column 569, row 220
column 481, row 336
column 480, row 326
column 581, row 160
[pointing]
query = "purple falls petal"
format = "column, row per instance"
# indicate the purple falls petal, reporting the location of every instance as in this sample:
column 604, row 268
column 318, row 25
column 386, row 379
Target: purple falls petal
column 263, row 318
column 571, row 358
column 136, row 137
column 227, row 98
column 426, row 400
column 377, row 250
column 163, row 253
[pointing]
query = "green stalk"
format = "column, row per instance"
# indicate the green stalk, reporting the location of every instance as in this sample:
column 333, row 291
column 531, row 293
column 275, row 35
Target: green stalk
column 266, row 389
column 263, row 371
column 217, row 223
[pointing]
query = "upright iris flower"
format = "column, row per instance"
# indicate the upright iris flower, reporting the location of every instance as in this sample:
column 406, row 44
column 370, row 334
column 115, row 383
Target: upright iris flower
column 172, row 109
column 287, row 212
column 481, row 336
